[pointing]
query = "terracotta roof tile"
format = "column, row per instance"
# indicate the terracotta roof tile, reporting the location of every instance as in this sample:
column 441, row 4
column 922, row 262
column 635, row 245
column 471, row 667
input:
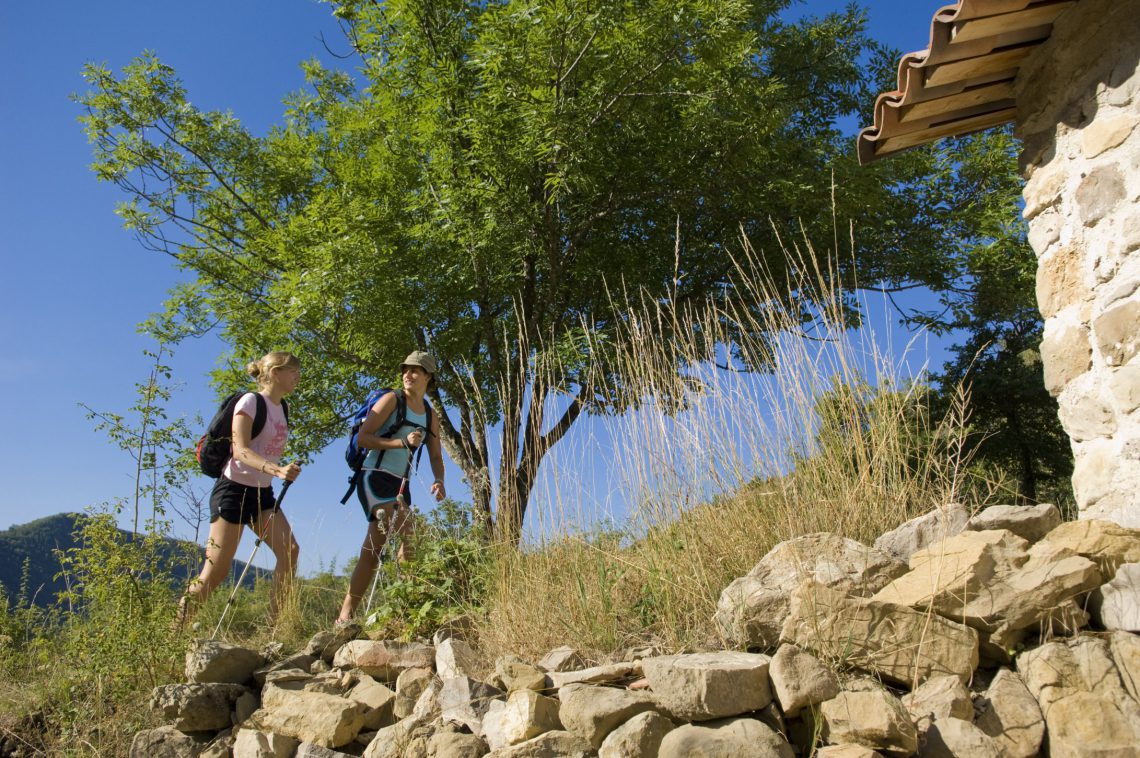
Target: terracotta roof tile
column 963, row 82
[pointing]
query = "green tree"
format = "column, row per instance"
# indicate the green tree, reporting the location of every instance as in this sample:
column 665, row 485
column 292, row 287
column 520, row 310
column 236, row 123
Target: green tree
column 483, row 180
column 988, row 302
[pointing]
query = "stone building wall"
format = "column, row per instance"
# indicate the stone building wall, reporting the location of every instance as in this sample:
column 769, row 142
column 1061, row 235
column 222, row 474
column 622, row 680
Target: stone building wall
column 1078, row 115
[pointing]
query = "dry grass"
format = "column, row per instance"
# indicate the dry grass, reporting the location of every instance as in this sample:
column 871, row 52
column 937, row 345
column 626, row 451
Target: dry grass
column 717, row 464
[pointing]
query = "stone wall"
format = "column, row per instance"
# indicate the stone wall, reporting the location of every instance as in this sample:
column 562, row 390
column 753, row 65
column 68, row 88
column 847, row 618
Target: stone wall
column 1078, row 112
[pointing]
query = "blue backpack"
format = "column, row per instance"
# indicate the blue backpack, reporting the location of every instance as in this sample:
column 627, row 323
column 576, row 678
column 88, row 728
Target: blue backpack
column 354, row 455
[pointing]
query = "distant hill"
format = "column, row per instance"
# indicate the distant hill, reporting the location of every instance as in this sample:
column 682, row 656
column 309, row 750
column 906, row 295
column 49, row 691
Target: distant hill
column 37, row 541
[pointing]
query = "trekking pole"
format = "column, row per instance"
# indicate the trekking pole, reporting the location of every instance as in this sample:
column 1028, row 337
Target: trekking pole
column 248, row 563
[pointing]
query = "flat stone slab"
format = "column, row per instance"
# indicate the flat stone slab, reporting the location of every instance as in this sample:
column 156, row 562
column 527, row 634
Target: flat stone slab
column 704, row 686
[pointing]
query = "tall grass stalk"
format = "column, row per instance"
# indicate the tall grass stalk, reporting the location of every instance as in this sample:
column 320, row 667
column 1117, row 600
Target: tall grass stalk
column 715, row 462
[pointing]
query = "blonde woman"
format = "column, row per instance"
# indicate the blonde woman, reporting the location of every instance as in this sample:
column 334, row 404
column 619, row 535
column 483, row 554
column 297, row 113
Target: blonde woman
column 243, row 494
column 383, row 492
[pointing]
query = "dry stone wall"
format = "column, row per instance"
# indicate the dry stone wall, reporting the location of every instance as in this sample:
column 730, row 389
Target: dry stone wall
column 973, row 640
column 1078, row 112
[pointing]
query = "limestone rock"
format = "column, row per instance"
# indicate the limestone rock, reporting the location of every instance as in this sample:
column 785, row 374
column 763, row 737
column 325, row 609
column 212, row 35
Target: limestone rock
column 939, row 698
column 165, row 742
column 729, row 738
column 562, row 659
column 324, row 644
column 455, row 745
column 1116, row 333
column 703, row 686
column 284, row 671
column 549, row 745
column 609, row 674
column 1024, row 597
column 640, row 737
column 750, row 609
column 1011, row 716
column 1125, row 650
column 1030, row 522
column 253, row 743
column 524, row 715
column 900, row 644
column 593, row 712
column 919, row 532
column 217, row 661
column 463, row 700
column 222, row 746
column 1085, row 724
column 410, row 684
column 1082, row 664
column 955, row 738
column 197, row 707
column 1116, row 605
column 384, row 659
column 391, row 741
column 875, row 719
column 949, row 573
column 846, row 751
column 513, row 673
column 309, row 750
column 454, row 657
column 799, row 679
column 427, row 705
column 375, row 699
column 325, row 720
column 1066, row 353
column 1103, row 542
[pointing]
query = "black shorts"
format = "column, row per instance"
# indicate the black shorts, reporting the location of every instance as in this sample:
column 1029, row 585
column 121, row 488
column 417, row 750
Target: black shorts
column 239, row 503
column 379, row 488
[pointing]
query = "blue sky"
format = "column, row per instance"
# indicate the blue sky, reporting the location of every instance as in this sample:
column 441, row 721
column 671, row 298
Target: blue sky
column 75, row 284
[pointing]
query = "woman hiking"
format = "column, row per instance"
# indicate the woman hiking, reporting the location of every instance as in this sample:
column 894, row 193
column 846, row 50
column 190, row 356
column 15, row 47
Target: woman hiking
column 383, row 490
column 243, row 494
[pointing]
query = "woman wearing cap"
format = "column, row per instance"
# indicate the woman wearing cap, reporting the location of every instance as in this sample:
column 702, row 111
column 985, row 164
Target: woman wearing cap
column 387, row 465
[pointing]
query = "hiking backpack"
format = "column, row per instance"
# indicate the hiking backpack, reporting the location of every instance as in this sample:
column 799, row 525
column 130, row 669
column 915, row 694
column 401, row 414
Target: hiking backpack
column 215, row 447
column 354, row 455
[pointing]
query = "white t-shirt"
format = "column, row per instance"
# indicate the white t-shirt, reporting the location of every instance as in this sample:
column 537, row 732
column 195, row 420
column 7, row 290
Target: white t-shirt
column 269, row 444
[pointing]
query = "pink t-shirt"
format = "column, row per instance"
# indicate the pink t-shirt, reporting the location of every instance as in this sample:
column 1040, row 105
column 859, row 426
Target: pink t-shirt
column 269, row 444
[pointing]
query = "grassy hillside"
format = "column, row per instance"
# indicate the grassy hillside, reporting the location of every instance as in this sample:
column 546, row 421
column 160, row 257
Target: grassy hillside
column 37, row 542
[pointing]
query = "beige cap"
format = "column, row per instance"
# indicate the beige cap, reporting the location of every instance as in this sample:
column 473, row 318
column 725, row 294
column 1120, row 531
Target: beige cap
column 421, row 359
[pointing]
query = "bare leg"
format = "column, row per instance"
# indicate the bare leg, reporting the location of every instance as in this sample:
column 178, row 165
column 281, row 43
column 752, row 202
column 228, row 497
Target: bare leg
column 404, row 527
column 278, row 535
column 366, row 563
column 220, row 548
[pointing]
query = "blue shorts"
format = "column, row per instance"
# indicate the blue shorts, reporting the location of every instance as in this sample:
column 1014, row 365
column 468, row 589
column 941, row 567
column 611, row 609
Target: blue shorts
column 380, row 488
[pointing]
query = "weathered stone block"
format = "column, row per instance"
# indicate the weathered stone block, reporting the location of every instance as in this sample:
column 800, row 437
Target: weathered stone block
column 217, row 661
column 1084, row 412
column 384, row 659
column 731, row 738
column 640, row 737
column 704, row 686
column 524, row 715
column 1099, row 193
column 751, row 609
column 1106, row 133
column 874, row 719
column 1011, row 716
column 1124, row 385
column 799, row 679
column 325, row 720
column 1030, row 522
column 197, row 707
column 912, row 536
column 1116, row 605
column 1066, row 353
column 593, row 712
column 1061, row 280
column 1117, row 333
column 900, row 644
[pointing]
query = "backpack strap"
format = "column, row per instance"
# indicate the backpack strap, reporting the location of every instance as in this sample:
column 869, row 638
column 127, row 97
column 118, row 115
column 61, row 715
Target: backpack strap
column 260, row 417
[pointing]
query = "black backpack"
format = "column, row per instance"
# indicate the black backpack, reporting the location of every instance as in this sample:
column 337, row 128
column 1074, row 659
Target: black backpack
column 354, row 455
column 215, row 447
